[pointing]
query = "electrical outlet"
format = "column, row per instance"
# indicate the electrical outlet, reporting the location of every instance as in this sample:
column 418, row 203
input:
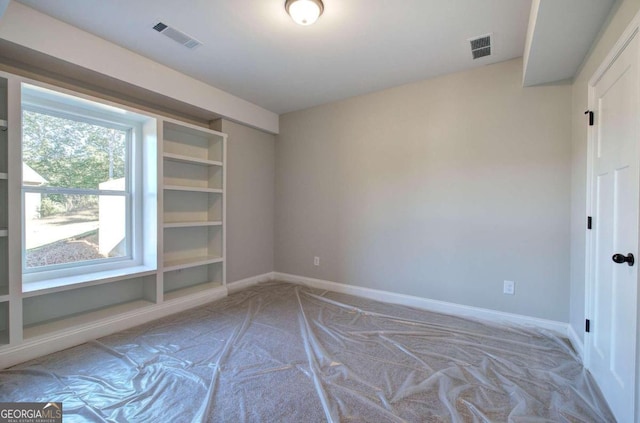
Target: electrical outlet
column 316, row 261
column 509, row 287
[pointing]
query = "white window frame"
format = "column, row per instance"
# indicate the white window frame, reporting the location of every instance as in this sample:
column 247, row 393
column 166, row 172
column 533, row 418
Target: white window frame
column 81, row 110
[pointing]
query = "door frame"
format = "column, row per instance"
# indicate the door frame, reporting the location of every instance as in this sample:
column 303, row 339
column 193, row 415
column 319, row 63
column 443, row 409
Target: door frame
column 633, row 29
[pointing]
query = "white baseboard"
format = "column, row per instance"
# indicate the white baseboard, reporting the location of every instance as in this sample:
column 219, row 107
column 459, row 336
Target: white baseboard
column 67, row 338
column 575, row 341
column 249, row 282
column 428, row 304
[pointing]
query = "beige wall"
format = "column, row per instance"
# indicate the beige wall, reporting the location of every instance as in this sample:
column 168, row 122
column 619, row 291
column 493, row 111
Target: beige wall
column 440, row 189
column 618, row 21
column 250, row 201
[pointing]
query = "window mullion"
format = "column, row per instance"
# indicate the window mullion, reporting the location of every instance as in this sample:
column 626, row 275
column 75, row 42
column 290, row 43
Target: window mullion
column 70, row 191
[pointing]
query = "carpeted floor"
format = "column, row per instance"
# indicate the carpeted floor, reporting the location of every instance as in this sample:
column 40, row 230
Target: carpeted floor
column 285, row 353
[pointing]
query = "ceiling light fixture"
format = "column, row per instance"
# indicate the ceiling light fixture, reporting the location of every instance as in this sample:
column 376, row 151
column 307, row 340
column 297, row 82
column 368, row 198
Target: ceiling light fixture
column 304, row 12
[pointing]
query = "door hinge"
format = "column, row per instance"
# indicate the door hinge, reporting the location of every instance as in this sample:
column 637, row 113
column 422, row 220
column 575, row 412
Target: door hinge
column 589, row 222
column 590, row 113
column 587, row 325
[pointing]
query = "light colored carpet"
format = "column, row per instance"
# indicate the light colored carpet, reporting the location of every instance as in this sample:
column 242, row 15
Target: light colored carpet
column 285, row 353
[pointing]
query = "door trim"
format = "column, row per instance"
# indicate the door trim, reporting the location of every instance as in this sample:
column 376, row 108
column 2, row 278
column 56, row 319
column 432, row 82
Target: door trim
column 633, row 29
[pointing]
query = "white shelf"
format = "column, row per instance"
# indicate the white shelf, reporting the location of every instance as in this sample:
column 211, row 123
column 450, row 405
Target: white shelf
column 191, row 189
column 192, row 224
column 81, row 319
column 189, row 128
column 6, row 208
column 193, row 290
column 172, row 265
column 191, row 160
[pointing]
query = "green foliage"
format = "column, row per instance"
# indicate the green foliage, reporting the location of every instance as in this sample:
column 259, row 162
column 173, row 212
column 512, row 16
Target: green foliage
column 72, row 154
column 49, row 207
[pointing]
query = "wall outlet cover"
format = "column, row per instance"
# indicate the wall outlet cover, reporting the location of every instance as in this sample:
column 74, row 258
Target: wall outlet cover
column 509, row 287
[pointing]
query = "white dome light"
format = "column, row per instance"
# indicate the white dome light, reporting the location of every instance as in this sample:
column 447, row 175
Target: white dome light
column 304, row 12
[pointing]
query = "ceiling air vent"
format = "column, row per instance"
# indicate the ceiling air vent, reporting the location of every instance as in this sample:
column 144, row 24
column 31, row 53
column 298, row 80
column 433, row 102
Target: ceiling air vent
column 481, row 46
column 177, row 36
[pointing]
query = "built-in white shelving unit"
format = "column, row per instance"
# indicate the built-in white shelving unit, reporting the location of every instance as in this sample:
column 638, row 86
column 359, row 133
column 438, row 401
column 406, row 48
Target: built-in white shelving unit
column 193, row 210
column 183, row 224
column 4, row 213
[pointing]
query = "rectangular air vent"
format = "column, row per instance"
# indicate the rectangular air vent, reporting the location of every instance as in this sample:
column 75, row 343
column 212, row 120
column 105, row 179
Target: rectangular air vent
column 177, row 36
column 480, row 46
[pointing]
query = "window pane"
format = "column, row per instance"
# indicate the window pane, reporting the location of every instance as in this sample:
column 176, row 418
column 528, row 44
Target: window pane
column 73, row 228
column 62, row 152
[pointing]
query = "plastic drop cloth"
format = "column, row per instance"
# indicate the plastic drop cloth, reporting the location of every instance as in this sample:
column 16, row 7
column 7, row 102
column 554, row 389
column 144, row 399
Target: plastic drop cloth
column 285, row 353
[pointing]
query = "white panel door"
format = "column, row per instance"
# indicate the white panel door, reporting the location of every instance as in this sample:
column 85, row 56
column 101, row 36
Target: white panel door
column 611, row 343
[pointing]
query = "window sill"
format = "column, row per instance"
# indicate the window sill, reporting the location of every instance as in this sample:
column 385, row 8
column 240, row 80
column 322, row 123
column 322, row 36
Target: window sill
column 32, row 289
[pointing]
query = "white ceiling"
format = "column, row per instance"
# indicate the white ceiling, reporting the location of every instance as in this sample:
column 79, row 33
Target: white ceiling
column 252, row 49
